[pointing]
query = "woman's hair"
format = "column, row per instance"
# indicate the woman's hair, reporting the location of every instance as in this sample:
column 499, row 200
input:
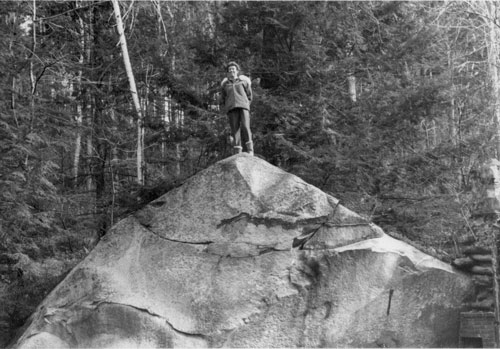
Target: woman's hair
column 232, row 64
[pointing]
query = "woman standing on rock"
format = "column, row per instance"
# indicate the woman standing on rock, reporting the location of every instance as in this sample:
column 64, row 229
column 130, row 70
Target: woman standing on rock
column 236, row 100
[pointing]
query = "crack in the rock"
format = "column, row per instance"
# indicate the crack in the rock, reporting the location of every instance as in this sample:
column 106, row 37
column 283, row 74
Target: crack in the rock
column 326, row 221
column 265, row 250
column 236, row 218
column 95, row 305
column 270, row 250
column 208, row 242
column 272, row 221
column 149, row 312
column 261, row 250
column 300, row 241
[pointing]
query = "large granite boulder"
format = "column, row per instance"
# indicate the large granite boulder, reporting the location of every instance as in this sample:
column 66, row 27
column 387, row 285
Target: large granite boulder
column 247, row 255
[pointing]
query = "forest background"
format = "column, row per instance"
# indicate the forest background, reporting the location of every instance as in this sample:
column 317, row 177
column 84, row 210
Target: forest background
column 389, row 106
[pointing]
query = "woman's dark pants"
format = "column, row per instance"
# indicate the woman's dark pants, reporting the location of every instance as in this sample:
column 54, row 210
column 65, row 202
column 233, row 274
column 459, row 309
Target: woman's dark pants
column 239, row 121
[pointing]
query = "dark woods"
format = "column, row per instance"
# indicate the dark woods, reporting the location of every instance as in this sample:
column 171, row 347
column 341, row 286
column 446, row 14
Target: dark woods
column 389, row 106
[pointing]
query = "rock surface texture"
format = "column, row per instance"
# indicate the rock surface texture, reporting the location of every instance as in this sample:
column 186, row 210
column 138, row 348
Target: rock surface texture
column 211, row 264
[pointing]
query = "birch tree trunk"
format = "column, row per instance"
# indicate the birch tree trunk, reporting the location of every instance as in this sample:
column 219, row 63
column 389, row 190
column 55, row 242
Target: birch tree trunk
column 351, row 82
column 32, row 77
column 90, row 146
column 88, row 105
column 79, row 105
column 133, row 91
column 161, row 23
column 166, row 127
column 452, row 120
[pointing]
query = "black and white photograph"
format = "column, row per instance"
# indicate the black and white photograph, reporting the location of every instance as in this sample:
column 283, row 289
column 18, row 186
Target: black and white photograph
column 249, row 174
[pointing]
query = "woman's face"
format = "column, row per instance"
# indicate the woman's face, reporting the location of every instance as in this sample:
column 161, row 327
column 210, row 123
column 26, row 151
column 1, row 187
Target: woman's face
column 232, row 72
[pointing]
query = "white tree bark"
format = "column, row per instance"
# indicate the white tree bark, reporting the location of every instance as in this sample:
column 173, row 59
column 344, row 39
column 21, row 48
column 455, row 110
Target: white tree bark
column 88, row 106
column 351, row 82
column 133, row 91
column 79, row 107
column 32, row 76
column 90, row 147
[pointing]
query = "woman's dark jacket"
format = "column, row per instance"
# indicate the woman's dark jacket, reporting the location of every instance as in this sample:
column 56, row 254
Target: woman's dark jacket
column 236, row 94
